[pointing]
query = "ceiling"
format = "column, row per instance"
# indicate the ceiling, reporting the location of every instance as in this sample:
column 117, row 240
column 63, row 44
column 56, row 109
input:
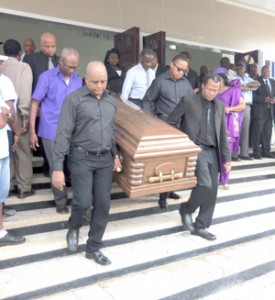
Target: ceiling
column 262, row 6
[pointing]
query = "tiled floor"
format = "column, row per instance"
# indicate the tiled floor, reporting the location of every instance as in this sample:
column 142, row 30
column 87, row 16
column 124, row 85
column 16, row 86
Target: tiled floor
column 152, row 258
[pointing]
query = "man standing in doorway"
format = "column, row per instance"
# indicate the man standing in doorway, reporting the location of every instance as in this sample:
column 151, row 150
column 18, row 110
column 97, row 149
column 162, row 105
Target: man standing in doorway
column 248, row 85
column 45, row 59
column 138, row 79
column 262, row 115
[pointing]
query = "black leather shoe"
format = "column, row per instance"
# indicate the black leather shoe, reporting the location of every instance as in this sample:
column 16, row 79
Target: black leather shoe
column 174, row 196
column 62, row 209
column 246, row 157
column 22, row 195
column 202, row 232
column 72, row 239
column 98, row 257
column 257, row 156
column 234, row 158
column 269, row 155
column 186, row 220
column 11, row 239
column 163, row 201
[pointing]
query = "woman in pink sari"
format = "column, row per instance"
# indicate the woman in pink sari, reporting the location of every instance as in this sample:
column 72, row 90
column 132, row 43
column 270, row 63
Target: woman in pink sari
column 230, row 94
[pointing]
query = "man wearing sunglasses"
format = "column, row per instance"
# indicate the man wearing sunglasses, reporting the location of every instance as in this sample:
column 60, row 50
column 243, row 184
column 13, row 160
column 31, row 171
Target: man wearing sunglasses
column 163, row 96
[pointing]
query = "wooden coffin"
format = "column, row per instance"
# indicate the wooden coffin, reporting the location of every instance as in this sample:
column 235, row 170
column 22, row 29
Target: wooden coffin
column 156, row 157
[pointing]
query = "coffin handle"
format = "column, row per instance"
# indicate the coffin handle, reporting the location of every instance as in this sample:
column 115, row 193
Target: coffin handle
column 162, row 177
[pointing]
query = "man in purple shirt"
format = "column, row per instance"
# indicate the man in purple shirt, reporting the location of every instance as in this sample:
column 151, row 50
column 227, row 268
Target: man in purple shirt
column 52, row 88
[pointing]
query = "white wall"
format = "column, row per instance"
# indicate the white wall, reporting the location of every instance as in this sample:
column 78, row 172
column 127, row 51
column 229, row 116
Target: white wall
column 89, row 47
column 197, row 22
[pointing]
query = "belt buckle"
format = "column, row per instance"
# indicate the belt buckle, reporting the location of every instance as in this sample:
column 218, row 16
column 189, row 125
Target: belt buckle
column 98, row 153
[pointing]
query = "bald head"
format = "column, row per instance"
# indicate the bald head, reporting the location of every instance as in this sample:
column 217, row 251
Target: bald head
column 96, row 78
column 48, row 44
column 29, row 46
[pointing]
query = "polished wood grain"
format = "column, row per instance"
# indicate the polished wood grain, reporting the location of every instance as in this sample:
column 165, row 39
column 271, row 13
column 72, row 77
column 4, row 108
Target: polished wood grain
column 156, row 157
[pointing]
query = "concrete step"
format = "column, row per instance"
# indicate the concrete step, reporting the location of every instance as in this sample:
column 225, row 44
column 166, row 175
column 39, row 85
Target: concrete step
column 152, row 258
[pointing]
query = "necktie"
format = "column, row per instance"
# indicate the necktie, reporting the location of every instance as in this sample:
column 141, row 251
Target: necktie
column 148, row 79
column 268, row 88
column 50, row 64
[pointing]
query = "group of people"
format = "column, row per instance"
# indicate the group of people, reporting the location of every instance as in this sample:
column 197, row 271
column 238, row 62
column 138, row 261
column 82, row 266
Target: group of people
column 44, row 104
column 38, row 86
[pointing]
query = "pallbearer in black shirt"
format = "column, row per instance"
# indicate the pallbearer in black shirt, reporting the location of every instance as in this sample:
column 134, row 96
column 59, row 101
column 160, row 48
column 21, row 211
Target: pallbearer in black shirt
column 86, row 132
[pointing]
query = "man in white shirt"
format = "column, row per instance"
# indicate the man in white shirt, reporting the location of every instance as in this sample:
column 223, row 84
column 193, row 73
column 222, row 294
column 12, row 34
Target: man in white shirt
column 247, row 86
column 9, row 96
column 138, row 79
column 6, row 238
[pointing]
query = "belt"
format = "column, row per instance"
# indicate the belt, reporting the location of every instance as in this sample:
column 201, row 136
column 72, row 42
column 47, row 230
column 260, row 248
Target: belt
column 162, row 115
column 98, row 153
column 135, row 99
column 203, row 147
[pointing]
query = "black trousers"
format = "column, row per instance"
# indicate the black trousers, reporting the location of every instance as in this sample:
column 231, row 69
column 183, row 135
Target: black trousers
column 204, row 194
column 137, row 102
column 91, row 179
column 261, row 135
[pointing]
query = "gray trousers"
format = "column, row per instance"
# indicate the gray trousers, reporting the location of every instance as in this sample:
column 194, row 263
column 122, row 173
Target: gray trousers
column 60, row 197
column 244, row 142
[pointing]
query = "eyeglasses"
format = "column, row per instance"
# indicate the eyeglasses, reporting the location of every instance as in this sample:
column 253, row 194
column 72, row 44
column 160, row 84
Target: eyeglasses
column 180, row 70
column 70, row 67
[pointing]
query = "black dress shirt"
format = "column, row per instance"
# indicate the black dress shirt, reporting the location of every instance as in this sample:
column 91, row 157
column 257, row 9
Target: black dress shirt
column 85, row 122
column 207, row 135
column 165, row 93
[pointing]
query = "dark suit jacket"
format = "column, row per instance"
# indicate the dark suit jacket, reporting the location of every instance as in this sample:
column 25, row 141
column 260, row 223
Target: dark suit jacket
column 39, row 64
column 189, row 112
column 260, row 110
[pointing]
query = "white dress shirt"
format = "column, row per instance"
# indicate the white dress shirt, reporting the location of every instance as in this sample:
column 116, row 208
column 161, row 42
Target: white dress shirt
column 136, row 83
column 7, row 92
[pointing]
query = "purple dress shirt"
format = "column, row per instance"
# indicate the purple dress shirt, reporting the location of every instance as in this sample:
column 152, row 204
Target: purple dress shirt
column 51, row 90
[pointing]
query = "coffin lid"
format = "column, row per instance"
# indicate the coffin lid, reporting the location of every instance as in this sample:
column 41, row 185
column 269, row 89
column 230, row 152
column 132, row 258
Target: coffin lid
column 142, row 135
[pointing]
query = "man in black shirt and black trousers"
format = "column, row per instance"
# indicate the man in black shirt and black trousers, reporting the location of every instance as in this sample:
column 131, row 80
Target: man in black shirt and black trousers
column 163, row 96
column 86, row 131
column 202, row 118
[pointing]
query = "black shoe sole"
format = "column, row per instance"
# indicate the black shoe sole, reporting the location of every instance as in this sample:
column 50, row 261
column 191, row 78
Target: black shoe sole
column 2, row 244
column 209, row 238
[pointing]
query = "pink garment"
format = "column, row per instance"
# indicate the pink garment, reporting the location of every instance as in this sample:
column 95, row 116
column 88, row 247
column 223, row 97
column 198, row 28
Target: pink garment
column 231, row 98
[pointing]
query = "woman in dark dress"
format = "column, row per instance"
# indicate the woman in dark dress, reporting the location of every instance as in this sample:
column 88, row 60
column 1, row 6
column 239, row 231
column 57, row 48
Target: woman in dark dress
column 116, row 73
